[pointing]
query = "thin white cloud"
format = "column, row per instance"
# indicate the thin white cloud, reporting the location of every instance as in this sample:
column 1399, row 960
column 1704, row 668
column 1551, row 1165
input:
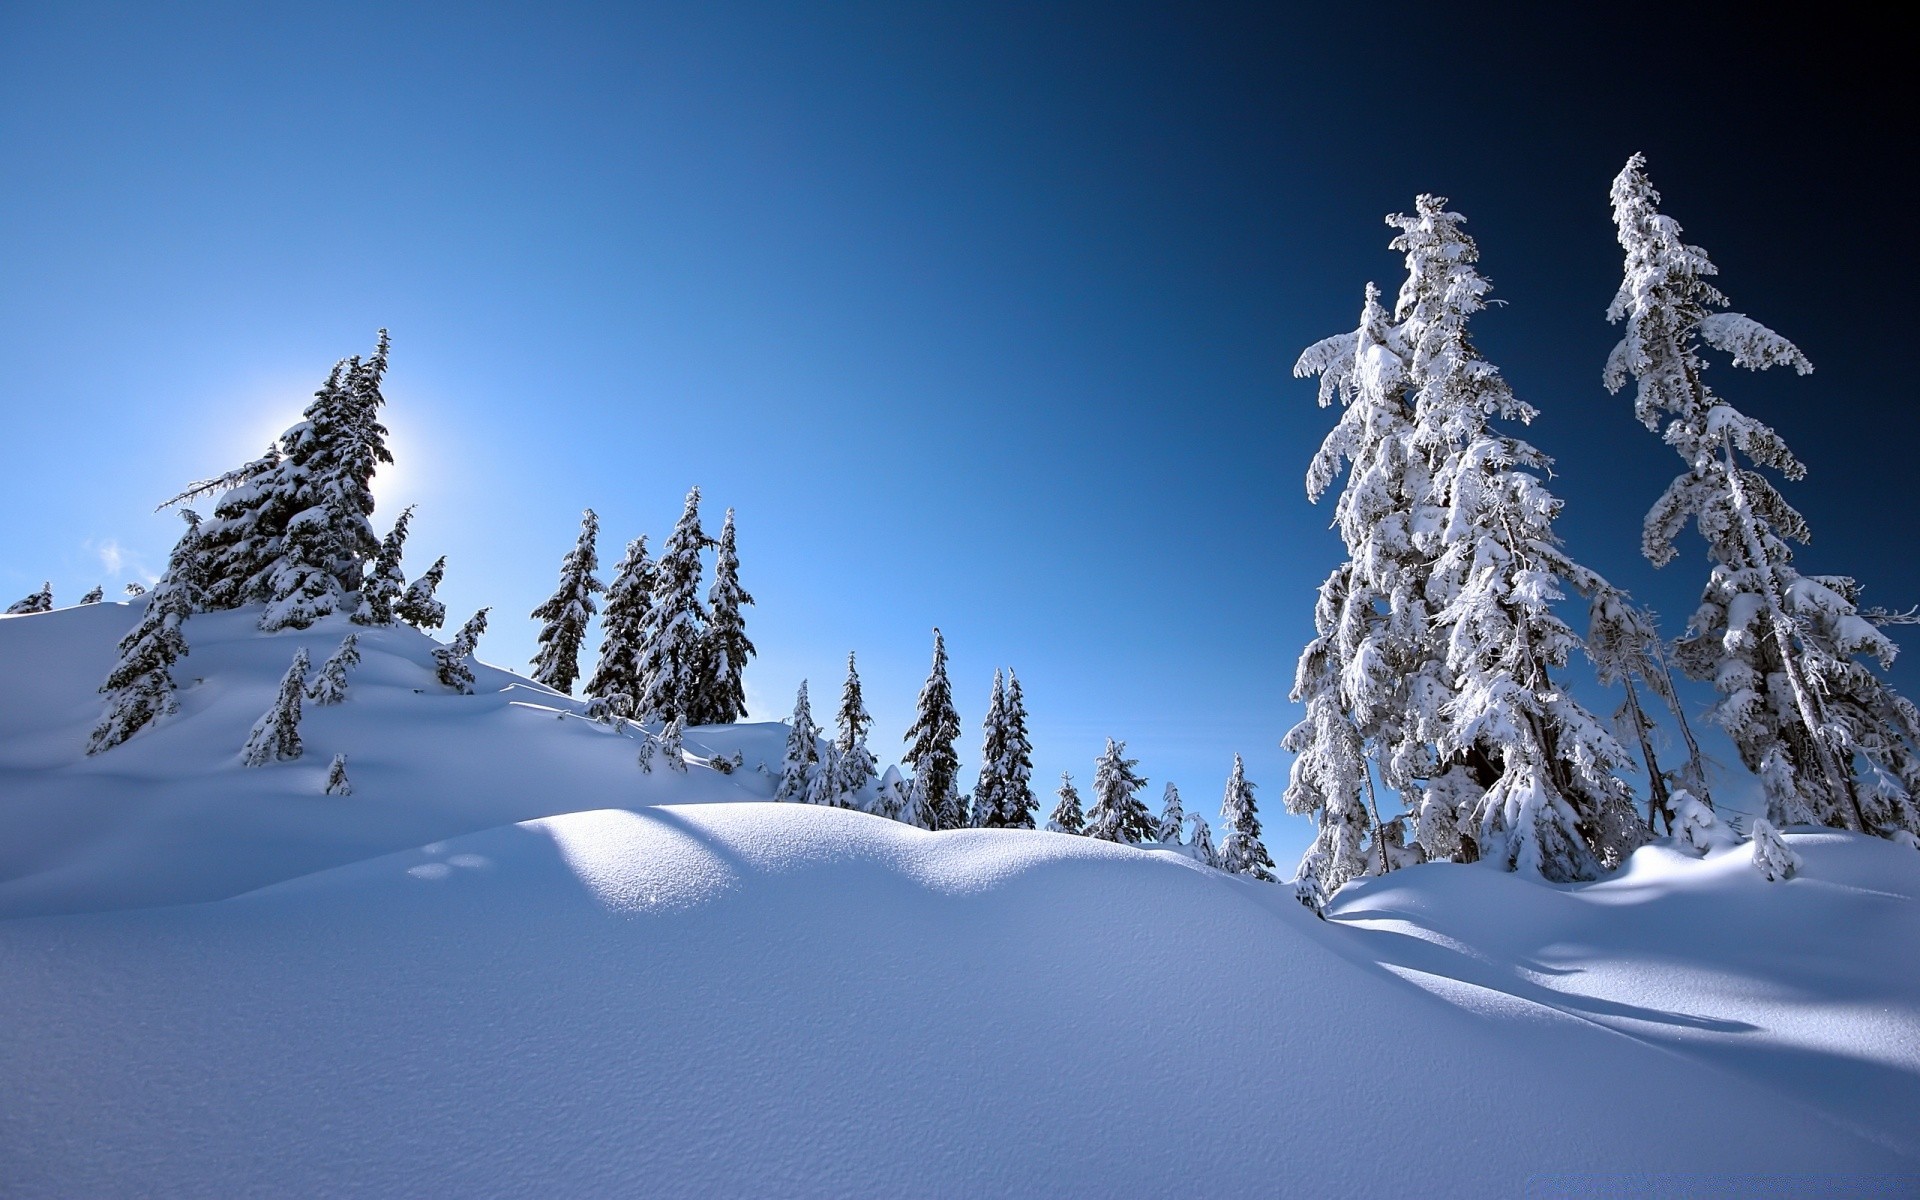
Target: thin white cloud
column 111, row 556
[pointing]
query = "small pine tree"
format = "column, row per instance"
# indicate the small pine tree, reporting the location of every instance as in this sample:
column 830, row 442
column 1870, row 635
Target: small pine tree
column 134, row 589
column 1243, row 852
column 930, row 745
column 140, row 687
column 1772, row 857
column 450, row 661
column 671, row 656
column 722, row 695
column 419, row 607
column 823, row 782
column 337, row 782
column 890, row 794
column 1017, row 801
column 673, row 745
column 803, row 750
column 621, row 621
column 95, row 596
column 1695, row 824
column 993, row 753
column 1067, row 816
column 1118, row 814
column 566, row 613
column 330, row 685
column 383, row 584
column 36, row 602
column 1200, row 841
column 1172, row 816
column 275, row 737
column 854, row 761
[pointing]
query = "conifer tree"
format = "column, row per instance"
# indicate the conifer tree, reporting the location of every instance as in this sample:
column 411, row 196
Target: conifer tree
column 890, row 794
column 566, row 613
column 922, row 808
column 722, row 696
column 419, row 607
column 823, row 783
column 275, row 737
column 1172, row 816
column 302, row 590
column 803, row 751
column 1832, row 743
column 855, row 765
column 35, row 602
column 1243, row 853
column 672, row 658
column 337, row 782
column 330, row 685
column 1626, row 649
column 242, row 537
column 1067, row 817
column 621, row 623
column 95, row 596
column 1200, row 841
column 134, row 589
column 672, row 745
column 930, row 745
column 993, row 753
column 383, row 584
column 1772, row 857
column 1017, row 801
column 1118, row 815
column 450, row 661
column 140, row 687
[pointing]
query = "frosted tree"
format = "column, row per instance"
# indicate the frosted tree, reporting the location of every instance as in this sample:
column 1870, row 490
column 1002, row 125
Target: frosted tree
column 1118, row 815
column 330, row 685
column 1067, row 816
column 1200, row 841
column 1791, row 655
column 1242, row 853
column 565, row 614
column 803, row 750
column 823, row 783
column 673, row 744
column 672, row 644
column 303, row 591
column 722, row 696
column 383, row 584
column 1172, row 816
column 628, row 598
column 419, row 607
column 930, row 744
column 241, row 538
column 854, row 765
column 1626, row 649
column 450, row 661
column 1017, row 801
column 140, row 686
column 993, row 753
column 337, row 782
column 35, row 602
column 94, row 595
column 275, row 737
column 1772, row 857
column 134, row 589
column 922, row 807
column 890, row 794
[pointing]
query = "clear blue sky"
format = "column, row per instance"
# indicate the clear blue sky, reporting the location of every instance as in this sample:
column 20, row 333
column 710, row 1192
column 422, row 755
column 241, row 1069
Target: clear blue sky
column 980, row 315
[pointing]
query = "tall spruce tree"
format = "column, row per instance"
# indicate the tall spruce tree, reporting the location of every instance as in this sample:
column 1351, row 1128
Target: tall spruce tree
column 628, row 598
column 854, row 761
column 672, row 652
column 275, row 737
column 1832, row 743
column 450, row 661
column 1067, row 816
column 382, row 585
column 722, row 695
column 1017, row 801
column 565, row 614
column 993, row 753
column 140, row 687
column 1118, row 814
column 803, row 750
column 1172, row 816
column 419, row 606
column 930, row 745
column 1242, row 853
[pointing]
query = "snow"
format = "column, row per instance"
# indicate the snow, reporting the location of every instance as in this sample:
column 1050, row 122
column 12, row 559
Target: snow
column 511, row 963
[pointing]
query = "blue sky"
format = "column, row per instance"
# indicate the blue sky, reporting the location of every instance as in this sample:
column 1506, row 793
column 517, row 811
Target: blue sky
column 979, row 315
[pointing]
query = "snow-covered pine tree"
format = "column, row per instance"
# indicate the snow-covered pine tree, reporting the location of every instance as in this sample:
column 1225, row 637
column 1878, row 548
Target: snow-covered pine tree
column 890, row 794
column 1172, row 816
column 854, row 762
column 1200, row 841
column 303, row 591
column 337, row 782
column 922, row 809
column 34, row 602
column 621, row 621
column 1017, row 801
column 241, row 539
column 330, row 685
column 140, row 687
column 1067, row 816
column 722, row 697
column 993, row 752
column 345, row 477
column 134, row 589
column 1242, row 853
column 419, row 607
column 450, row 661
column 565, row 614
column 1832, row 743
column 95, row 595
column 823, row 783
column 1118, row 815
column 275, row 737
column 1772, row 857
column 1625, row 648
column 930, row 744
column 672, row 658
column 673, row 744
column 803, row 750
column 383, row 583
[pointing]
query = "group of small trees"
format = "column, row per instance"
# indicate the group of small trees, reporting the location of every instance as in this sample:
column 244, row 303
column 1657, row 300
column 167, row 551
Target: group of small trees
column 1436, row 672
column 1119, row 815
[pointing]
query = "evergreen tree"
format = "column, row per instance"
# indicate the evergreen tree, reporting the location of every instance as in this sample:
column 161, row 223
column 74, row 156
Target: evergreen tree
column 1118, row 815
column 1831, row 741
column 890, row 794
column 330, row 685
column 567, row 611
column 302, row 590
column 671, row 655
column 672, row 745
column 930, row 745
column 383, row 584
column 419, row 607
column 275, row 737
column 337, row 782
column 1626, row 649
column 36, row 602
column 993, row 753
column 134, row 589
column 922, row 807
column 1200, row 841
column 1067, row 817
column 140, row 687
column 823, row 782
column 803, row 751
column 722, row 697
column 1243, row 853
column 1017, row 801
column 1772, row 857
column 621, row 623
column 450, row 661
column 242, row 538
column 95, row 596
column 855, row 765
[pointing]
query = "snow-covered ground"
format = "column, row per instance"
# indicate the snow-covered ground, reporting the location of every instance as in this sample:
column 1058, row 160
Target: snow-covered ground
column 510, row 963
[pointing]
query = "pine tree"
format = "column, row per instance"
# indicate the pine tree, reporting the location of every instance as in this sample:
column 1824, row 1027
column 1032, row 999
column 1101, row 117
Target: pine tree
column 419, row 607
column 890, row 794
column 330, row 685
column 450, row 661
column 94, row 596
column 854, row 761
column 1200, row 841
column 930, row 745
column 1243, row 853
column 1067, row 817
column 722, row 696
column 1118, row 815
column 140, row 687
column 672, row 745
column 993, row 753
column 275, row 737
column 621, row 623
column 337, row 782
column 383, row 584
column 671, row 654
column 567, row 611
column 922, row 807
column 1772, row 857
column 1831, row 742
column 36, row 602
column 134, row 589
column 302, row 590
column 1172, row 816
column 803, row 751
column 1017, row 801
column 823, row 782
column 242, row 537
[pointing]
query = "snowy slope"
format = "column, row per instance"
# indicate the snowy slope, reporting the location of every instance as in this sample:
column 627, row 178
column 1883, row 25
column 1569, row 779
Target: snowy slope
column 561, row 991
